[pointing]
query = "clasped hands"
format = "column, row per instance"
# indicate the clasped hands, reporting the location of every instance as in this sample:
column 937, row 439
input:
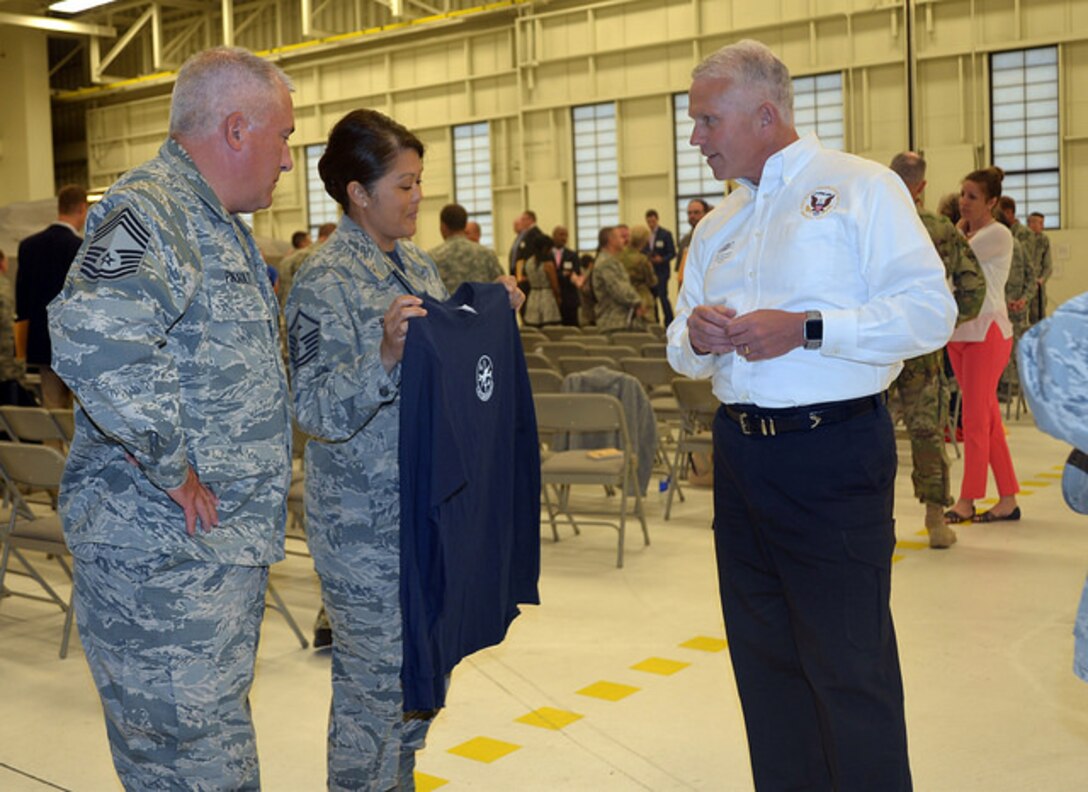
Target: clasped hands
column 759, row 335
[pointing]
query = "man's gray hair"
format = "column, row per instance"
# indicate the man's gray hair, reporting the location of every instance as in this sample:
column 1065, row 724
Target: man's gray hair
column 751, row 63
column 217, row 82
column 910, row 167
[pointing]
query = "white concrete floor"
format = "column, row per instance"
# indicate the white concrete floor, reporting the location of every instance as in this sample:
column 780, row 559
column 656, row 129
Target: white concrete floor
column 984, row 631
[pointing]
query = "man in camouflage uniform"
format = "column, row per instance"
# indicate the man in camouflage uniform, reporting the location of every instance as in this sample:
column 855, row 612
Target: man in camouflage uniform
column 1044, row 264
column 459, row 259
column 921, row 386
column 12, row 370
column 618, row 306
column 1022, row 287
column 173, row 499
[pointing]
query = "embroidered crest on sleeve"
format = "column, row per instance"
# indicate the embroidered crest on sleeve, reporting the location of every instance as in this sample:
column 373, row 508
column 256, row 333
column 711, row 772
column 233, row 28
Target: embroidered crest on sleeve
column 116, row 249
column 302, row 340
column 820, row 202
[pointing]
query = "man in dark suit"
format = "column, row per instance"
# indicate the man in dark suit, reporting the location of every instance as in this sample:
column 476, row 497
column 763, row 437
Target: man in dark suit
column 524, row 244
column 44, row 259
column 661, row 251
column 570, row 276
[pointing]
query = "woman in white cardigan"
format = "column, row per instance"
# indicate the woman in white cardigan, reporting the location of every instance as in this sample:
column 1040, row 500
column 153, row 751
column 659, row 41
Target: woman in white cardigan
column 979, row 351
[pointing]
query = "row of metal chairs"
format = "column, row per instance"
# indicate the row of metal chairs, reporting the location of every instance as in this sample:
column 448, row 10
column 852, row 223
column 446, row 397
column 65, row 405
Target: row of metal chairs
column 562, row 332
column 548, row 353
column 562, row 413
column 37, row 424
column 28, row 464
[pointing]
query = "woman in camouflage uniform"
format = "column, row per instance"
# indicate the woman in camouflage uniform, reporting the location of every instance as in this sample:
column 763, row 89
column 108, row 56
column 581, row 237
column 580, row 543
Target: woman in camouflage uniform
column 348, row 315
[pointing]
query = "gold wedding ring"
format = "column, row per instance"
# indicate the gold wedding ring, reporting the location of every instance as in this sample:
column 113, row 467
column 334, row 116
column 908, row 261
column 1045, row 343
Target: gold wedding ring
column 747, row 350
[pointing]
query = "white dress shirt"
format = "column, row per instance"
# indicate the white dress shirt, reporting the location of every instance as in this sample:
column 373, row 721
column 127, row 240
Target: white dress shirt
column 993, row 249
column 825, row 231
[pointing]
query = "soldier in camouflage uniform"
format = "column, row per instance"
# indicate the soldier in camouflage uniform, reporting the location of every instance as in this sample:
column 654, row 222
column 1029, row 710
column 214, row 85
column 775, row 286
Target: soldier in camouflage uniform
column 1044, row 265
column 173, row 498
column 348, row 315
column 1036, row 250
column 921, row 386
column 639, row 269
column 12, row 370
column 459, row 259
column 618, row 306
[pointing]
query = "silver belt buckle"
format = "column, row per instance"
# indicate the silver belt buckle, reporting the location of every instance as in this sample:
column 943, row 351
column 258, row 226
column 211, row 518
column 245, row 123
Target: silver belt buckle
column 747, row 427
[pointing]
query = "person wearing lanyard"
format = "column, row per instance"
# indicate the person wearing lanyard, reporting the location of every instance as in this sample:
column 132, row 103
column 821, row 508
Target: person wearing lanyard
column 804, row 292
column 348, row 316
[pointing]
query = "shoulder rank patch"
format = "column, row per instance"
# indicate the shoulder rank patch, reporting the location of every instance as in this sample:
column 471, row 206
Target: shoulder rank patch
column 302, row 339
column 116, row 249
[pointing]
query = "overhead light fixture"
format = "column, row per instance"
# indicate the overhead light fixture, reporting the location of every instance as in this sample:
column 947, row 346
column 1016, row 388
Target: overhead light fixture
column 76, row 6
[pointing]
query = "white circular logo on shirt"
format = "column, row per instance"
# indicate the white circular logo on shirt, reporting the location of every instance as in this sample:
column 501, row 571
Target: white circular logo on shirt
column 820, row 202
column 485, row 378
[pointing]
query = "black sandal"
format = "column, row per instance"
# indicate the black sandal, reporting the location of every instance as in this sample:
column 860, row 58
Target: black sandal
column 953, row 517
column 989, row 516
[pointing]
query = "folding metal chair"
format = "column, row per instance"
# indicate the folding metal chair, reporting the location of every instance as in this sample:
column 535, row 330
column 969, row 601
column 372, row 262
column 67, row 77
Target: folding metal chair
column 697, row 406
column 40, row 467
column 570, row 413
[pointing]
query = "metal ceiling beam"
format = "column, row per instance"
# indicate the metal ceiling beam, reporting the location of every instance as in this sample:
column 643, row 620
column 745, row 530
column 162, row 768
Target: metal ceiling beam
column 99, row 64
column 57, row 25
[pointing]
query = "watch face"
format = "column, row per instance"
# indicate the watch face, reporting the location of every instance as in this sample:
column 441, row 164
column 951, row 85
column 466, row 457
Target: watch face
column 814, row 329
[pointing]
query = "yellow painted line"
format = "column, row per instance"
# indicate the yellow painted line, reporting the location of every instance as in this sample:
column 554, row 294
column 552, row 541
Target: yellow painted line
column 1049, row 475
column 907, row 545
column 660, row 665
column 1058, row 467
column 484, row 749
column 608, row 691
column 988, row 501
column 922, row 532
column 896, row 559
column 703, row 643
column 1024, row 492
column 549, row 718
column 1035, row 483
column 426, row 783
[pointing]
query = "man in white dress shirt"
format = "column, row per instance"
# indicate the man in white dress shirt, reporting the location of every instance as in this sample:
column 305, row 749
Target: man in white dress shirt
column 804, row 290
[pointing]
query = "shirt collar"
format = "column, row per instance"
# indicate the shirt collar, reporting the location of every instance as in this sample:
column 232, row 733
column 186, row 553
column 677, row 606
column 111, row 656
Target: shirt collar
column 175, row 155
column 782, row 166
column 373, row 258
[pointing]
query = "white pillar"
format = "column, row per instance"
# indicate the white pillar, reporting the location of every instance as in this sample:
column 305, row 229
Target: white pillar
column 26, row 133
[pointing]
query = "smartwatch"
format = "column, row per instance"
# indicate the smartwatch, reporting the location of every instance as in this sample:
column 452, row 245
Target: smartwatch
column 814, row 330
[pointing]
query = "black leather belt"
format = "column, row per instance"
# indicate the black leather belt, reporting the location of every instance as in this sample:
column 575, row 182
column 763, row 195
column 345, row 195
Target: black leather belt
column 767, row 422
column 1078, row 459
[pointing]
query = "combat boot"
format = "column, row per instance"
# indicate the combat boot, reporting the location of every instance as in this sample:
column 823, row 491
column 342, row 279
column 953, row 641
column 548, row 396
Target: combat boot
column 941, row 536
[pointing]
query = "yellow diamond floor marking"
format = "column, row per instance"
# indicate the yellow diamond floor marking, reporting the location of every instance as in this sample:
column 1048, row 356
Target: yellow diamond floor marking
column 609, row 691
column 660, row 665
column 549, row 718
column 904, row 544
column 704, row 643
column 483, row 749
column 425, row 783
column 1049, row 475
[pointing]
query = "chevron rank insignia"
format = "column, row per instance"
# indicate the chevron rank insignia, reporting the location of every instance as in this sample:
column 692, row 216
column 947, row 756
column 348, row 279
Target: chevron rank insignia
column 302, row 339
column 116, row 249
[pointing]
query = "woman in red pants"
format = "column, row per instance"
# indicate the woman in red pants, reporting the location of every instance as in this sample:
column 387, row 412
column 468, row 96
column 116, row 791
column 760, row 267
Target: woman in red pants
column 979, row 351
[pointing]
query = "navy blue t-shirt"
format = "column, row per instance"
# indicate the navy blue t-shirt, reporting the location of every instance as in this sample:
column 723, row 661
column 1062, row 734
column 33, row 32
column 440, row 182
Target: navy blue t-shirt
column 469, row 486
